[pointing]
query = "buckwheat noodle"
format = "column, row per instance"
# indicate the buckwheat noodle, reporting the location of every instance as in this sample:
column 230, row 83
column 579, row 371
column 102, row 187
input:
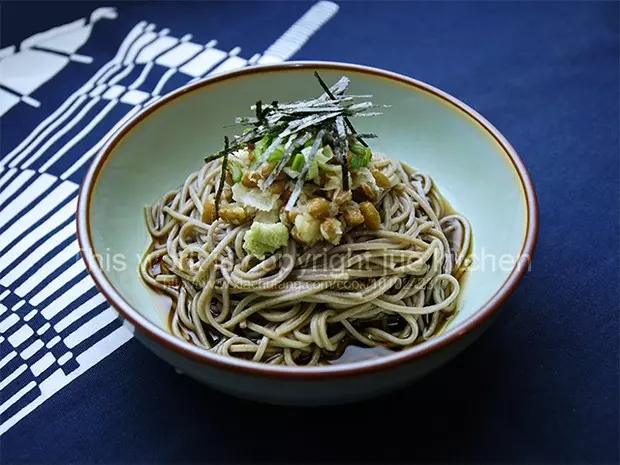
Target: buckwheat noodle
column 389, row 288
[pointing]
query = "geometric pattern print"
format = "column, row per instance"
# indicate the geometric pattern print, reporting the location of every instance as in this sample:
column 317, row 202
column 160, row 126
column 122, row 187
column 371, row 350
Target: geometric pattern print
column 54, row 325
column 40, row 57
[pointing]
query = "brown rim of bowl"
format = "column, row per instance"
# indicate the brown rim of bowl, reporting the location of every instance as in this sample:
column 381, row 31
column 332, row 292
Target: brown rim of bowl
column 330, row 371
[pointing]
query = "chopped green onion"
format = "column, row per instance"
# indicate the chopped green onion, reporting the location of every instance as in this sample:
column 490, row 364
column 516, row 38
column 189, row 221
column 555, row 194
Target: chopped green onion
column 276, row 155
column 298, row 162
column 261, row 145
column 327, row 153
column 359, row 161
column 323, row 158
column 313, row 171
column 358, row 149
column 259, row 149
column 356, row 162
column 292, row 145
column 235, row 171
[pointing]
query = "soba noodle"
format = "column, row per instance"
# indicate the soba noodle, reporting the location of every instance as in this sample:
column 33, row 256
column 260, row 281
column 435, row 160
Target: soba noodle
column 303, row 305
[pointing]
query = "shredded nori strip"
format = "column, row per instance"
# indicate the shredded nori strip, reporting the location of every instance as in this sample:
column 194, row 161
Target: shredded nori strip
column 331, row 95
column 326, row 116
column 302, row 176
column 274, row 145
column 294, row 143
column 342, row 146
column 220, row 188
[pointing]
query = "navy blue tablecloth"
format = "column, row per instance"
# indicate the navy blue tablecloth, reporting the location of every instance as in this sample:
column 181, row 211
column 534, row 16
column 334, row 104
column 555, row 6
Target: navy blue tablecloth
column 540, row 386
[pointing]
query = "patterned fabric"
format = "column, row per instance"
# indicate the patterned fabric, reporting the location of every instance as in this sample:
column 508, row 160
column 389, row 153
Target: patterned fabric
column 55, row 324
column 540, row 386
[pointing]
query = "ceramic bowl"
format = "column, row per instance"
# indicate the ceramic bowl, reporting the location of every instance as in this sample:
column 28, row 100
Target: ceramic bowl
column 474, row 166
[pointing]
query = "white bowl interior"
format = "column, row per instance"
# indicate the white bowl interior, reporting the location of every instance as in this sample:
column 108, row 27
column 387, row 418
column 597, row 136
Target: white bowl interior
column 469, row 166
